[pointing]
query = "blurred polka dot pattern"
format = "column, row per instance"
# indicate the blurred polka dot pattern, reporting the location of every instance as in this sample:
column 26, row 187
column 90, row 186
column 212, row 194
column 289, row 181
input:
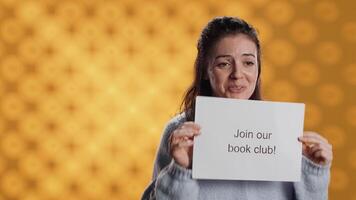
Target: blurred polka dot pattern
column 86, row 87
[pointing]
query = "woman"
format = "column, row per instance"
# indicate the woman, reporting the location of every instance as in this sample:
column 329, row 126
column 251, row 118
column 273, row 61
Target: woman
column 228, row 65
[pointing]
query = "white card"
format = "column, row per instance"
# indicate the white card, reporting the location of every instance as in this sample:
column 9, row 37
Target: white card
column 248, row 140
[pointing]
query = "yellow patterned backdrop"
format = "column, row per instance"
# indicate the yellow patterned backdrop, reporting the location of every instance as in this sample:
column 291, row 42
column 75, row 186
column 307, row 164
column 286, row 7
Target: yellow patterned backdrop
column 86, row 87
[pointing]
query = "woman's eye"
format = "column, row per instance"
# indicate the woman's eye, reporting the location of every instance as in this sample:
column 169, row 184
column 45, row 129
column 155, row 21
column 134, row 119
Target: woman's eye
column 249, row 63
column 223, row 65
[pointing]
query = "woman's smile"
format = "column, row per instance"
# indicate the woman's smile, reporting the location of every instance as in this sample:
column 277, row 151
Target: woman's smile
column 236, row 89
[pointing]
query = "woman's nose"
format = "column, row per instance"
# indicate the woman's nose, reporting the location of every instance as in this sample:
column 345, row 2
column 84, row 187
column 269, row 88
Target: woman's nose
column 236, row 72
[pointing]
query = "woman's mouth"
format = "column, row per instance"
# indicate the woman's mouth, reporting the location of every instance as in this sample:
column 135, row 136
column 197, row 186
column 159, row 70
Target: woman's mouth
column 236, row 88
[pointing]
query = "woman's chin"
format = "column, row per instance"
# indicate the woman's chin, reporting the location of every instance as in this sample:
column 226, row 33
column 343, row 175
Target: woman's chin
column 237, row 96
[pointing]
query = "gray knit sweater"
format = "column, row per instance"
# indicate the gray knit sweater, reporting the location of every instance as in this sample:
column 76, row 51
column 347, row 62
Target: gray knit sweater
column 171, row 181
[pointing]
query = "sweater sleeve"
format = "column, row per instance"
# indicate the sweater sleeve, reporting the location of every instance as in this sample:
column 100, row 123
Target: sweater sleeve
column 170, row 181
column 314, row 181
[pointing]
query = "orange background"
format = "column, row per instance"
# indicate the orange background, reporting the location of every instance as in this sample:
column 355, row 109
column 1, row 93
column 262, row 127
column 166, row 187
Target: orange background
column 86, row 87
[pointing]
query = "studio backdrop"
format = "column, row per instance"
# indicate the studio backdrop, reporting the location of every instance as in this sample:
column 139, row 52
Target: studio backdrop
column 86, row 87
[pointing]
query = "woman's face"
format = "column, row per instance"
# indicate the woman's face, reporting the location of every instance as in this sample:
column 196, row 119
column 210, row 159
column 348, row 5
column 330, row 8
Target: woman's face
column 233, row 67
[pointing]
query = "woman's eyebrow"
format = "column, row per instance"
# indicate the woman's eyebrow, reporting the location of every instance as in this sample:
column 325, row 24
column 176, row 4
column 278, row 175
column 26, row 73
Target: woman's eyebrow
column 223, row 56
column 249, row 54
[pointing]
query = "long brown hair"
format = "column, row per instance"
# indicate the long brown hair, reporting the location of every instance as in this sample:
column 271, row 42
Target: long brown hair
column 216, row 29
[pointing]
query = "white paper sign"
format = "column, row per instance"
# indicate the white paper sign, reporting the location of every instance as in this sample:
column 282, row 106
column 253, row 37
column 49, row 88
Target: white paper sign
column 248, row 140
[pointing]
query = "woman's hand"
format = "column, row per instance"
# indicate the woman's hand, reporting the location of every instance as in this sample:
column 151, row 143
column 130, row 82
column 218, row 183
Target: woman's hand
column 316, row 148
column 181, row 143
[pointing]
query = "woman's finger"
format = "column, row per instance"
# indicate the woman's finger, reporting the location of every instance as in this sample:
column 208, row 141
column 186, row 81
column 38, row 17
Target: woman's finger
column 185, row 132
column 312, row 149
column 181, row 143
column 190, row 125
column 185, row 143
column 310, row 134
column 322, row 155
column 317, row 147
column 310, row 140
